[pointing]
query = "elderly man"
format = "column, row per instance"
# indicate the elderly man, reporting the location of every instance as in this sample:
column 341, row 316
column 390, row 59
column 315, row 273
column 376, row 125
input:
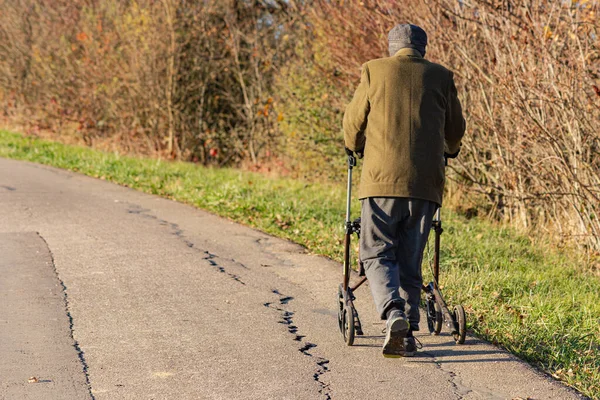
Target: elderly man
column 405, row 116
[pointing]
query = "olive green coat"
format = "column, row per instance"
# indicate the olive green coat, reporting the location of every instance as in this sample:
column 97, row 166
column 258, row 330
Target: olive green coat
column 404, row 115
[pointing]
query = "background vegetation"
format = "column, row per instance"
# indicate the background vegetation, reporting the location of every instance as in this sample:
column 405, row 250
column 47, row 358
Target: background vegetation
column 263, row 84
column 540, row 303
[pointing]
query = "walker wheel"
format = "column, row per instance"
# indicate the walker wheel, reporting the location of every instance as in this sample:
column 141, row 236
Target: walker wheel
column 461, row 324
column 348, row 323
column 434, row 317
column 340, row 308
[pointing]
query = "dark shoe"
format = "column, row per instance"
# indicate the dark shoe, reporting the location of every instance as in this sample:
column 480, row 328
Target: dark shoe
column 396, row 330
column 410, row 346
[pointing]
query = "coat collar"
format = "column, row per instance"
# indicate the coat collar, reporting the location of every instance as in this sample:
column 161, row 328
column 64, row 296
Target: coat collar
column 408, row 52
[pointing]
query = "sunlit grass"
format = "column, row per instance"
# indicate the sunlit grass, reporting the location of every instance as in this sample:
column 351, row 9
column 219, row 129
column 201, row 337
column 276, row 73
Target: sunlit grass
column 532, row 299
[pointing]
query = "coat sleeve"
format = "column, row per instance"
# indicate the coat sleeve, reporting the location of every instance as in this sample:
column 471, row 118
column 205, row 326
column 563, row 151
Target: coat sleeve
column 455, row 123
column 357, row 112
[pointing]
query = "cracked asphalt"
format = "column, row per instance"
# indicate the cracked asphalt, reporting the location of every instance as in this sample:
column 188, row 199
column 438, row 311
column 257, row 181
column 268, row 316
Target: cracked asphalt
column 109, row 293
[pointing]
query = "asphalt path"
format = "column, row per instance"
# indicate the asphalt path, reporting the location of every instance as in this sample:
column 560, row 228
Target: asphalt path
column 109, row 293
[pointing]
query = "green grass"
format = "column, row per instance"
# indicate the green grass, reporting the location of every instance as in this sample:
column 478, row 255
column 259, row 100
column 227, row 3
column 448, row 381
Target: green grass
column 535, row 301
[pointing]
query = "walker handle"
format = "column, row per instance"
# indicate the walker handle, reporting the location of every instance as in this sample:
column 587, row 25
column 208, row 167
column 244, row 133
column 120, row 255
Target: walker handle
column 350, row 153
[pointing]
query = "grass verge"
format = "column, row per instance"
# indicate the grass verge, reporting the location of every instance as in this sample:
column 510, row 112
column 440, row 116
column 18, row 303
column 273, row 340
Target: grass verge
column 540, row 304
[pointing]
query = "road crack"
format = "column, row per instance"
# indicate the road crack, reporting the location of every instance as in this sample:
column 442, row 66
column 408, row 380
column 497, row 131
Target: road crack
column 460, row 390
column 179, row 233
column 287, row 319
column 80, row 352
column 287, row 316
column 211, row 260
column 457, row 388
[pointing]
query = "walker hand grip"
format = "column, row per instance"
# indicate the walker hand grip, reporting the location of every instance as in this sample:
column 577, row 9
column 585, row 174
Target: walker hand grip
column 351, row 153
column 351, row 161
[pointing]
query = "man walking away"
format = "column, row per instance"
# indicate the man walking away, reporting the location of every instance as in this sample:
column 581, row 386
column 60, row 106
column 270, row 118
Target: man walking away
column 405, row 116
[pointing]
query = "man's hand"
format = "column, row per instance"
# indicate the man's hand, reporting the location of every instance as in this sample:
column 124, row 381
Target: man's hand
column 359, row 154
column 453, row 155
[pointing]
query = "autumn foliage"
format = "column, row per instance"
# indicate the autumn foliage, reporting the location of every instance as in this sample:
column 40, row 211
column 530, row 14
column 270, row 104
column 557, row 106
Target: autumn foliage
column 265, row 82
column 183, row 79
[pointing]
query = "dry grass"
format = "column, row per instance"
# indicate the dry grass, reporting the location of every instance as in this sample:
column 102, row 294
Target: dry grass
column 528, row 75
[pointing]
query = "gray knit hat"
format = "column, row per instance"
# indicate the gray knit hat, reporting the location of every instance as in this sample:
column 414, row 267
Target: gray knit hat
column 407, row 36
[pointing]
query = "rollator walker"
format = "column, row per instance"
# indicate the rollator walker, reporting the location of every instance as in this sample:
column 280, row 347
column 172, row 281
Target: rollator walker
column 438, row 313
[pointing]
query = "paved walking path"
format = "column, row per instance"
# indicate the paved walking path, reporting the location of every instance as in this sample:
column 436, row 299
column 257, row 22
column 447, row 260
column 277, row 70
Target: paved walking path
column 109, row 293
